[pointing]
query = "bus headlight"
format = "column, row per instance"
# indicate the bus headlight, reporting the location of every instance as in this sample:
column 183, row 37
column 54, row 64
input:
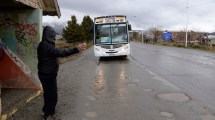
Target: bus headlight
column 98, row 49
column 124, row 48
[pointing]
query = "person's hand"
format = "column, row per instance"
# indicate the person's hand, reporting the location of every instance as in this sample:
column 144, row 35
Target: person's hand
column 82, row 46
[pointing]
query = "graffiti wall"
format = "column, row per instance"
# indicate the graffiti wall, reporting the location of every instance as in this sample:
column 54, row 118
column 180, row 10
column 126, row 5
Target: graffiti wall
column 20, row 33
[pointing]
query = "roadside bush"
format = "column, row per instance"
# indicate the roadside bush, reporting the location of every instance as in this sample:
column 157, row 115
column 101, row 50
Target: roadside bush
column 178, row 45
column 195, row 46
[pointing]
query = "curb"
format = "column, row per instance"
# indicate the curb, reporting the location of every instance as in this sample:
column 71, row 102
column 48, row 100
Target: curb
column 14, row 110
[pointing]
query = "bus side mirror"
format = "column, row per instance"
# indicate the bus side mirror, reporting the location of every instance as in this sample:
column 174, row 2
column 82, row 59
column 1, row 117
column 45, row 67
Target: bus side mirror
column 129, row 27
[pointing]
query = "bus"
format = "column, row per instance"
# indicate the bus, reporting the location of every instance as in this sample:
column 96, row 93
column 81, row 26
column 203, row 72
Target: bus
column 111, row 36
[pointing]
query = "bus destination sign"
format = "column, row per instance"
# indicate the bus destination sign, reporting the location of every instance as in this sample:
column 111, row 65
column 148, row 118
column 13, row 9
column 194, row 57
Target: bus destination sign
column 110, row 20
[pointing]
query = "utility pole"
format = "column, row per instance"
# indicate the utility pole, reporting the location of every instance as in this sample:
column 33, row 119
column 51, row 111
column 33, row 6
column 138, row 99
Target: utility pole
column 187, row 24
column 142, row 33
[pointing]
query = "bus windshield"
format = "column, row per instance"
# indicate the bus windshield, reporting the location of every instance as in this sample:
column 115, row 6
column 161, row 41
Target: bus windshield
column 111, row 33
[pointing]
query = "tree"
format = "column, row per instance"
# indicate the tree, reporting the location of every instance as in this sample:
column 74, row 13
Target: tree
column 73, row 32
column 87, row 26
column 135, row 36
column 156, row 31
column 181, row 35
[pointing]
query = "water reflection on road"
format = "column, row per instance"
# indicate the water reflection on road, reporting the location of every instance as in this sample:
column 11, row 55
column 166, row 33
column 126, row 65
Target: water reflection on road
column 111, row 78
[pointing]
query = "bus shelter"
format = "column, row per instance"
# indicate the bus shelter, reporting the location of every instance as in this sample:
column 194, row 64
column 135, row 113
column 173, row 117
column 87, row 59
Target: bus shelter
column 20, row 34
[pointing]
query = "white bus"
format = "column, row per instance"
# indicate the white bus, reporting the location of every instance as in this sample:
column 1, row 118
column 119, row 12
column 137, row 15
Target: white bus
column 111, row 36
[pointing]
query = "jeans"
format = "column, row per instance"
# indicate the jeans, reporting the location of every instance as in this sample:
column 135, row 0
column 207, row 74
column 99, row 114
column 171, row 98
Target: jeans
column 49, row 83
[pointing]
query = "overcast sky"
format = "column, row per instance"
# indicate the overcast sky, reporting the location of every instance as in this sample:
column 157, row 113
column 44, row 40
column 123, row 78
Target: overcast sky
column 169, row 14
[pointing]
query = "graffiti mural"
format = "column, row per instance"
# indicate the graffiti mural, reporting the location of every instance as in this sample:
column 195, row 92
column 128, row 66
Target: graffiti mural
column 6, row 21
column 20, row 34
column 10, row 42
column 24, row 32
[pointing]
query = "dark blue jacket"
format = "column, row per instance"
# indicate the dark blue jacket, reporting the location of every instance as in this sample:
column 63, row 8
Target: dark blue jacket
column 48, row 54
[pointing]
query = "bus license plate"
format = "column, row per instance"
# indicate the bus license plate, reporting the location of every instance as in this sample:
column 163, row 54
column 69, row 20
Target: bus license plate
column 111, row 54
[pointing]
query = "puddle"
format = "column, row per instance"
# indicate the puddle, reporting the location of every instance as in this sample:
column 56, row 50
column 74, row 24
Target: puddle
column 136, row 80
column 175, row 97
column 208, row 117
column 92, row 98
column 167, row 115
column 147, row 90
column 131, row 85
column 91, row 114
column 197, row 107
column 87, row 104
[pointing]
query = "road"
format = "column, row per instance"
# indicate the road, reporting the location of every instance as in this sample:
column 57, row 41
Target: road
column 153, row 83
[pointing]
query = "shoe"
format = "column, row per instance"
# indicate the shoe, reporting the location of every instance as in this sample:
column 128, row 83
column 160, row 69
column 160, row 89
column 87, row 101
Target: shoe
column 50, row 117
column 42, row 114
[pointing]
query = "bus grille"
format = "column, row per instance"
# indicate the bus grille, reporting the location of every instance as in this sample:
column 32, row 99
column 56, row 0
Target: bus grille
column 109, row 46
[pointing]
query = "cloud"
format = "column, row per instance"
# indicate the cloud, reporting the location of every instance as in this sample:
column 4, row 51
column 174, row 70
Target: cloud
column 144, row 13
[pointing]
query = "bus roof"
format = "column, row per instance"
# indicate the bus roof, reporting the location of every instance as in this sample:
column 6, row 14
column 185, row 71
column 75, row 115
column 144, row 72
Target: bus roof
column 110, row 19
column 109, row 16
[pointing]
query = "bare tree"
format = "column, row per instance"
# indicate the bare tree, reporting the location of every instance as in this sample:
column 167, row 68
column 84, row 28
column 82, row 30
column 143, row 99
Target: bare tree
column 135, row 36
column 181, row 36
column 157, row 32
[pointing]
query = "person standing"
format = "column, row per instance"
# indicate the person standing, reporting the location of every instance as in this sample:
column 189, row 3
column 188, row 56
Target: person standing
column 48, row 67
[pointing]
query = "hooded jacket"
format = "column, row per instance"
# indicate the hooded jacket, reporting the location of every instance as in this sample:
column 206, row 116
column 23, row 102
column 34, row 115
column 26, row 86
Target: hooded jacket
column 47, row 53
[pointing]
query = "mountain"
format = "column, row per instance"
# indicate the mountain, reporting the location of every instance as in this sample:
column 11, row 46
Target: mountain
column 56, row 26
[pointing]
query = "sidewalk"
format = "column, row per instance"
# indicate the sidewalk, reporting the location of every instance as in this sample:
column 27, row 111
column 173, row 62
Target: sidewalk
column 11, row 105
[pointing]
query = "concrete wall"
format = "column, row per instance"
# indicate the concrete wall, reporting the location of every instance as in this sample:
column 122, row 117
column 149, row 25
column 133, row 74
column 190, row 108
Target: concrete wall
column 21, row 31
column 0, row 100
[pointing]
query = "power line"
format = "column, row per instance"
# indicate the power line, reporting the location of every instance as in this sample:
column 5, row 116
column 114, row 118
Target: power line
column 173, row 14
column 201, row 4
column 185, row 8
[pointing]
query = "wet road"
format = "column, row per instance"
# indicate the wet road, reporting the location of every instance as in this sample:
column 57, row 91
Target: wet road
column 153, row 83
column 192, row 71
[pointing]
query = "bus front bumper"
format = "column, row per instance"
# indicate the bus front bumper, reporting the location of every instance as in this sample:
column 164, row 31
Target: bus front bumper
column 111, row 54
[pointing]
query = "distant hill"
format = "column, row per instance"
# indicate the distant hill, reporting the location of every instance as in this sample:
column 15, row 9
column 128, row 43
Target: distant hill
column 56, row 26
column 213, row 33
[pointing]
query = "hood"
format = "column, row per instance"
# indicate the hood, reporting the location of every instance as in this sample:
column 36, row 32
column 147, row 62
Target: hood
column 49, row 34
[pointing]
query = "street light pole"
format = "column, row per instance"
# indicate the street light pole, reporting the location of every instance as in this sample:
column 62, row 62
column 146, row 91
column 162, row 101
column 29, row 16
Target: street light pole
column 142, row 33
column 187, row 25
